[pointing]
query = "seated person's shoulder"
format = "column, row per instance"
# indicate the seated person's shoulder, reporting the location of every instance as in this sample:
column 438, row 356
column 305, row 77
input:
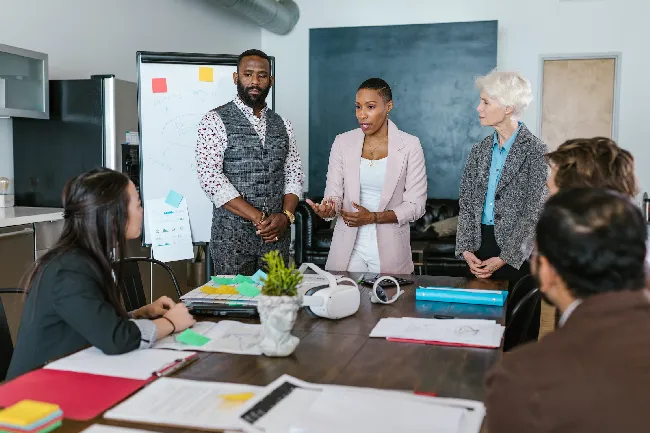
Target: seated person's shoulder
column 73, row 261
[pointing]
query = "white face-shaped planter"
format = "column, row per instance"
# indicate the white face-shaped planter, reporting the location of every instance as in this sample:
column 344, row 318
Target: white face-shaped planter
column 278, row 314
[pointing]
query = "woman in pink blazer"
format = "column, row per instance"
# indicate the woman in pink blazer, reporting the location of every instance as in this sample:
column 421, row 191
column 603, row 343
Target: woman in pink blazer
column 376, row 185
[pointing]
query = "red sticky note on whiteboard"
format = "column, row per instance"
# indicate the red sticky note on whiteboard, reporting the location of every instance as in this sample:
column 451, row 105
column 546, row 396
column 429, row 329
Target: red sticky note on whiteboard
column 159, row 85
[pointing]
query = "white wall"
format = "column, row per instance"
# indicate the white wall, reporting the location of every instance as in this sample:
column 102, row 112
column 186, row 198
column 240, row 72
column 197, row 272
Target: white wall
column 86, row 37
column 527, row 30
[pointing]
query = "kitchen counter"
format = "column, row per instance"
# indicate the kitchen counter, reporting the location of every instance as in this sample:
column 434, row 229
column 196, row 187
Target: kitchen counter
column 14, row 216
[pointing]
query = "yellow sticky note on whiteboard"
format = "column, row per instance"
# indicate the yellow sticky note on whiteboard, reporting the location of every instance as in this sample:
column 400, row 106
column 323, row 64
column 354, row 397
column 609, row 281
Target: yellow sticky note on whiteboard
column 206, row 74
column 221, row 290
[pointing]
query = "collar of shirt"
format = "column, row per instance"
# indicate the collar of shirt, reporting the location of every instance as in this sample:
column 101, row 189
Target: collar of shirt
column 508, row 144
column 248, row 111
column 569, row 311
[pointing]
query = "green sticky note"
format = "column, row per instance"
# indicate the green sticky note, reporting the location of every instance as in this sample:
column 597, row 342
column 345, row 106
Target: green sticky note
column 242, row 279
column 223, row 281
column 191, row 338
column 248, row 289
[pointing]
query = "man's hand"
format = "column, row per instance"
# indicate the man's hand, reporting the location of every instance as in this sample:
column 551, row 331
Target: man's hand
column 360, row 218
column 273, row 227
column 156, row 309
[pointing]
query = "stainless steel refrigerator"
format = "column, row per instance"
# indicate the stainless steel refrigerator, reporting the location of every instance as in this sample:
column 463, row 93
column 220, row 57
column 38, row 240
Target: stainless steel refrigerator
column 88, row 122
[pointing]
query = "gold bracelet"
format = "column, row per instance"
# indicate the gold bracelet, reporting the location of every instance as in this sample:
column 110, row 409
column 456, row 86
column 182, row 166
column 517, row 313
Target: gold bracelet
column 261, row 219
column 292, row 217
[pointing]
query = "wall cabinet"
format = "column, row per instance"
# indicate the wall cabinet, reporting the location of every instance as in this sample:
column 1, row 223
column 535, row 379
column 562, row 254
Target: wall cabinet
column 24, row 85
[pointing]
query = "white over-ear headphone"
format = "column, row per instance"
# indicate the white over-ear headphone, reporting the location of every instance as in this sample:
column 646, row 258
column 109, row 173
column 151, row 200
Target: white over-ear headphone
column 378, row 296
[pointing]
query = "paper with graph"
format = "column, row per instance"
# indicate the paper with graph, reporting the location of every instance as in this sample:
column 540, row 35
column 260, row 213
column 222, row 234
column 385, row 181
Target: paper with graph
column 226, row 336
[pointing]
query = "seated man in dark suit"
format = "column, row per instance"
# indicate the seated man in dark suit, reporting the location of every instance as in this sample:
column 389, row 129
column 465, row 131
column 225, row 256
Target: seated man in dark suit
column 592, row 375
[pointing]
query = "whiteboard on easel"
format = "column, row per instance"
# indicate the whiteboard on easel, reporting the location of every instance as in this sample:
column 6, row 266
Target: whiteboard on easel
column 175, row 91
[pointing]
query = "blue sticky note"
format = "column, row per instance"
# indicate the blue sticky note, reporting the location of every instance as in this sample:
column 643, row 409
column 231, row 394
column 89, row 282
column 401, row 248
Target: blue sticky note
column 174, row 198
column 259, row 277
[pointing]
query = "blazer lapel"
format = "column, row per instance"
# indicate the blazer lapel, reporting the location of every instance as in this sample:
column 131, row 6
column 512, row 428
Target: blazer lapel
column 485, row 160
column 352, row 169
column 515, row 158
column 394, row 165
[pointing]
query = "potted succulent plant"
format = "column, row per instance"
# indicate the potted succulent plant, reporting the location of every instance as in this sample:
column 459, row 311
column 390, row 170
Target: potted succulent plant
column 278, row 306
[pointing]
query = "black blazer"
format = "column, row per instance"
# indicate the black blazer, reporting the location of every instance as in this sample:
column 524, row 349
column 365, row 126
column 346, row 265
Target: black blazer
column 67, row 313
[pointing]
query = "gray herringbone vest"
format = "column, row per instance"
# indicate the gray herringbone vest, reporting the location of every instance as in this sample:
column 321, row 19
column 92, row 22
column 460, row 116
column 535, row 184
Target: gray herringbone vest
column 256, row 171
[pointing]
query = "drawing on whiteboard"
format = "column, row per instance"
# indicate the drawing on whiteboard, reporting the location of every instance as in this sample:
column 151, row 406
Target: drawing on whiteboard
column 181, row 130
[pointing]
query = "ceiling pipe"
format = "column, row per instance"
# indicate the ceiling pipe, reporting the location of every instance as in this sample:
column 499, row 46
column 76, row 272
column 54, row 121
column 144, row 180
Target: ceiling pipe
column 277, row 16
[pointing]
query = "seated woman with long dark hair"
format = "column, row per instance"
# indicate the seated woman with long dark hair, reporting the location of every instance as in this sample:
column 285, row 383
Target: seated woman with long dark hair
column 73, row 300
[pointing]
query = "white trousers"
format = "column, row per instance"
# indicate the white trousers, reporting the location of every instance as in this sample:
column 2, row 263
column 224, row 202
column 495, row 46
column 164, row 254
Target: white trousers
column 365, row 254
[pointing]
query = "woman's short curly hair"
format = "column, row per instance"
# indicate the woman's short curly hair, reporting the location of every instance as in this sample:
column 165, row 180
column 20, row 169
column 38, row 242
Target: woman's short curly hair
column 510, row 89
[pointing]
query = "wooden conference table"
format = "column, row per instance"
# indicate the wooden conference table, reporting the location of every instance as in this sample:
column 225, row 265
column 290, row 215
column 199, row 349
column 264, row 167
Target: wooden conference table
column 340, row 352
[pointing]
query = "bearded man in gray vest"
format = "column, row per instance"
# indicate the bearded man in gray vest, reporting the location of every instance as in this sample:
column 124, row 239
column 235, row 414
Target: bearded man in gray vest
column 249, row 167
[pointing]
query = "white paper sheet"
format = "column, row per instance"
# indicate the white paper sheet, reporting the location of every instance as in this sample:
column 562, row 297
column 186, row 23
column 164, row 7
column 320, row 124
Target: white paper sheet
column 170, row 229
column 226, row 336
column 289, row 405
column 184, row 403
column 473, row 332
column 139, row 364
column 99, row 428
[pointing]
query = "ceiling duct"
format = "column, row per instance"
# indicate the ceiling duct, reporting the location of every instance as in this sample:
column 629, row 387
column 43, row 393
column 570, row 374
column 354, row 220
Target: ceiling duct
column 277, row 16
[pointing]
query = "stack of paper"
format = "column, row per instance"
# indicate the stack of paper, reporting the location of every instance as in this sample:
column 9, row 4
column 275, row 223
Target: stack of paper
column 449, row 332
column 291, row 405
column 28, row 416
column 464, row 296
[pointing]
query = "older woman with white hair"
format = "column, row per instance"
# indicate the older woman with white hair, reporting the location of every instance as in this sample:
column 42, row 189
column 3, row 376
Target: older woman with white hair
column 503, row 187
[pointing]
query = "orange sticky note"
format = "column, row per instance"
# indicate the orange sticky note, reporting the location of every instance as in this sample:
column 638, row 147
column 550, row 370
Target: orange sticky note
column 221, row 290
column 159, row 85
column 206, row 74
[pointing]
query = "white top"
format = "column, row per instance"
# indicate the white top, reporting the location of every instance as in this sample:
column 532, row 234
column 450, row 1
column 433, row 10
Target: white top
column 371, row 179
column 14, row 216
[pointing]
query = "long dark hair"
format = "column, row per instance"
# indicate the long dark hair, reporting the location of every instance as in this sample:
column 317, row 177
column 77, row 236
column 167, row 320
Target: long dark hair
column 95, row 212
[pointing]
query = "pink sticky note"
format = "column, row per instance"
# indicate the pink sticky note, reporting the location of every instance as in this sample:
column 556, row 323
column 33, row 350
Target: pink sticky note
column 159, row 85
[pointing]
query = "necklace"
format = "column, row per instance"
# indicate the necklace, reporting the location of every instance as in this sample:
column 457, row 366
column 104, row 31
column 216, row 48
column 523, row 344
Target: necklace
column 372, row 152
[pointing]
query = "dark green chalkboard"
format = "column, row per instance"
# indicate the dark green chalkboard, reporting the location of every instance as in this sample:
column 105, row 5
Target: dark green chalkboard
column 431, row 69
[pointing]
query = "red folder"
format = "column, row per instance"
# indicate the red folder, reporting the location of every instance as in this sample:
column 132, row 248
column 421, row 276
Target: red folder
column 438, row 343
column 80, row 396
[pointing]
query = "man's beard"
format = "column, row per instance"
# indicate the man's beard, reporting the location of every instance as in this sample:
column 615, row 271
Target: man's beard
column 257, row 101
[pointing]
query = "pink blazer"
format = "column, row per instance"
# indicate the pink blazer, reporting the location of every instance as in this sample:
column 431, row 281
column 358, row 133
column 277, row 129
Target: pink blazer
column 404, row 192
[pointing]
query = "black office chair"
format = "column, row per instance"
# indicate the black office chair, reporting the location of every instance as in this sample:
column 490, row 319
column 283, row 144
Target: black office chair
column 520, row 326
column 133, row 290
column 6, row 345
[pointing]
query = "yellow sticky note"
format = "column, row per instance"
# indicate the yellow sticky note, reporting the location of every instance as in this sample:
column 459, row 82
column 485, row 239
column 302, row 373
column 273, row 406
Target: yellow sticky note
column 221, row 290
column 26, row 412
column 206, row 74
column 244, row 396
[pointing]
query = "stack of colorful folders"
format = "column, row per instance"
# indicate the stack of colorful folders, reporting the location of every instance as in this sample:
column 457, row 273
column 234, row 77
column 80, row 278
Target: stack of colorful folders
column 28, row 416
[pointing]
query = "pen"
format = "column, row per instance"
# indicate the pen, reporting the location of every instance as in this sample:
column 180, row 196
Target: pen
column 442, row 316
column 361, row 278
column 179, row 364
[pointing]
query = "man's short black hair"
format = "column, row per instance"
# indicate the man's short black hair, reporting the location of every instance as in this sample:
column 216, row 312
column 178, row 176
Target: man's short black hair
column 595, row 239
column 380, row 86
column 253, row 52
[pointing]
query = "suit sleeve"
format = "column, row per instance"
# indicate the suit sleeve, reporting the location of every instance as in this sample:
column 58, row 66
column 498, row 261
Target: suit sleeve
column 465, row 216
column 80, row 302
column 509, row 404
column 335, row 184
column 520, row 244
column 415, row 188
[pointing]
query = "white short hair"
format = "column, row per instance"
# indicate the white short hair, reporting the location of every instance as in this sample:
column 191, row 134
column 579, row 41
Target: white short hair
column 510, row 89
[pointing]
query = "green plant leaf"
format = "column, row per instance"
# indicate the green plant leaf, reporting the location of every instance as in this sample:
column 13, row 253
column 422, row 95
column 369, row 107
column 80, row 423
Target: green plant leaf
column 281, row 280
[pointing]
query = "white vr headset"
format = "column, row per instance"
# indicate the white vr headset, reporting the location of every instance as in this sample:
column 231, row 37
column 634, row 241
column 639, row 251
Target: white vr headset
column 332, row 300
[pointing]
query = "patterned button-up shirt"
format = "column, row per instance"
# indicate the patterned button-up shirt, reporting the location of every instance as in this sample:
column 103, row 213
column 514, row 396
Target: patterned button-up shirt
column 211, row 146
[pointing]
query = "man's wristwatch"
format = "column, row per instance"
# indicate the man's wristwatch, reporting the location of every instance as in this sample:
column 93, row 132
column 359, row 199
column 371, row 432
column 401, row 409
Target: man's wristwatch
column 289, row 215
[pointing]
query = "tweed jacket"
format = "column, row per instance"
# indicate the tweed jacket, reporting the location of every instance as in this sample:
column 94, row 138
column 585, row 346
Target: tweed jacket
column 520, row 195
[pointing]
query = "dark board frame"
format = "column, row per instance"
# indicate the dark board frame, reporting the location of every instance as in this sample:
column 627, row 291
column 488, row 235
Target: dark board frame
column 431, row 69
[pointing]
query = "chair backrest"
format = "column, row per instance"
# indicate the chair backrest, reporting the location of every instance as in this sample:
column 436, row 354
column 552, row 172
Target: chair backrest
column 528, row 300
column 133, row 294
column 6, row 345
